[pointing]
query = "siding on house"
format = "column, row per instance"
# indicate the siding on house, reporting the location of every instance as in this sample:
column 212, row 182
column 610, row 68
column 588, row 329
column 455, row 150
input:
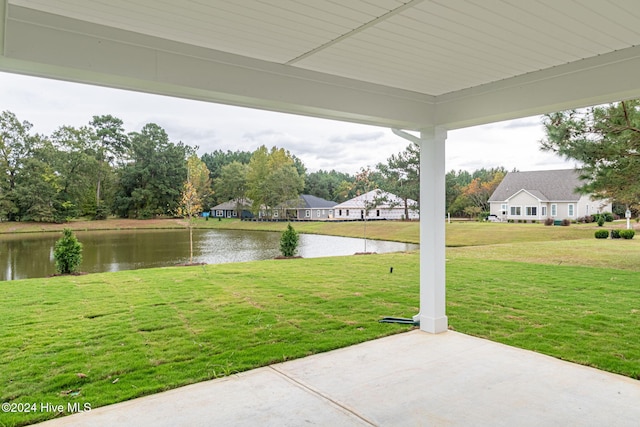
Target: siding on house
column 305, row 207
column 311, row 208
column 230, row 210
column 539, row 195
column 389, row 206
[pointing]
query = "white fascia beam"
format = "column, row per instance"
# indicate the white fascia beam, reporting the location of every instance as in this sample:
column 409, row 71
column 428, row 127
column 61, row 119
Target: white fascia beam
column 47, row 45
column 592, row 81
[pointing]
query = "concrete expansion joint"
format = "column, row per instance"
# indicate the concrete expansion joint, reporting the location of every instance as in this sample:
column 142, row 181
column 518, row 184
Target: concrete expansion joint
column 321, row 395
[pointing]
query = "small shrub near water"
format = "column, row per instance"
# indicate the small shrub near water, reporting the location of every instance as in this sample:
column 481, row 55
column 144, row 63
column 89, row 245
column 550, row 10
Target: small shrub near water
column 289, row 242
column 548, row 221
column 615, row 234
column 67, row 253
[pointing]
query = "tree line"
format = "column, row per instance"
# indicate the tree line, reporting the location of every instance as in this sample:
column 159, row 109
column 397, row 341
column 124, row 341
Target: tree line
column 99, row 170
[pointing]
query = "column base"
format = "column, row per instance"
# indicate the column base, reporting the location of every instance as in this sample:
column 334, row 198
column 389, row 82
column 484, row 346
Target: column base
column 432, row 325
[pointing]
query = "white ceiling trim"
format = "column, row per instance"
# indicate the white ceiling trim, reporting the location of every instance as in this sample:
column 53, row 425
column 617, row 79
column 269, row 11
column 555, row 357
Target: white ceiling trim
column 592, row 81
column 133, row 61
column 48, row 45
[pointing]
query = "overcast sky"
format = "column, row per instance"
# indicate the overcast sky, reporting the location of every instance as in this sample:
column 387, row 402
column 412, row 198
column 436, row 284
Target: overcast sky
column 319, row 143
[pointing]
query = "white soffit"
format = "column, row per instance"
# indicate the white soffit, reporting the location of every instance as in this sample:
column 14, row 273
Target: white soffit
column 450, row 62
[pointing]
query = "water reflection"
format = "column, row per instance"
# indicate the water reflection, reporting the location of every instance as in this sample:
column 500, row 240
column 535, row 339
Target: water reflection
column 31, row 255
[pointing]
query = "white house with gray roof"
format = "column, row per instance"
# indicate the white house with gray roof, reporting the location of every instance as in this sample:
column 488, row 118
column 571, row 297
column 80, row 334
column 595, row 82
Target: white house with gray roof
column 376, row 204
column 539, row 195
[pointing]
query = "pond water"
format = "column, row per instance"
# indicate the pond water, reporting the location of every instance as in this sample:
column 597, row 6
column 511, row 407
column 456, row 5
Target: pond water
column 31, row 255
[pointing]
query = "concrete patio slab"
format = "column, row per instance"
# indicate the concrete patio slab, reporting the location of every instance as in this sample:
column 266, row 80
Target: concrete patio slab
column 411, row 379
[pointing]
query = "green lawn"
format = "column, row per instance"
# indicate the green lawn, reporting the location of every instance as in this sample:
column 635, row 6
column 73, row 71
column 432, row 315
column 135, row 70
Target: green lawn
column 139, row 332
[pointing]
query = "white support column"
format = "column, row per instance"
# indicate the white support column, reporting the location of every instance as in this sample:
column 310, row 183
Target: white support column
column 432, row 314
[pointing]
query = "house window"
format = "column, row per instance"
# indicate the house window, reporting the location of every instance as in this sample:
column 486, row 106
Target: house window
column 570, row 210
column 347, row 212
column 516, row 211
column 377, row 212
column 318, row 213
column 330, row 212
column 219, row 213
column 543, row 211
column 554, row 210
column 532, row 210
column 275, row 214
column 503, row 209
column 234, row 214
column 339, row 212
column 307, row 213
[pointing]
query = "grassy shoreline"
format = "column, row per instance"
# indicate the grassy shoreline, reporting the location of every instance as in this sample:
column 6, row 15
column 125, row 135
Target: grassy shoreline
column 457, row 233
column 108, row 337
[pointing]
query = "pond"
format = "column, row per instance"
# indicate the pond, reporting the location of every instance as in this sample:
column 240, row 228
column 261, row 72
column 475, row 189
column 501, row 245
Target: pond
column 31, row 255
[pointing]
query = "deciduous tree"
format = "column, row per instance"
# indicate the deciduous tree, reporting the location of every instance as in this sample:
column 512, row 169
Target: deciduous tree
column 232, row 184
column 190, row 207
column 272, row 178
column 198, row 175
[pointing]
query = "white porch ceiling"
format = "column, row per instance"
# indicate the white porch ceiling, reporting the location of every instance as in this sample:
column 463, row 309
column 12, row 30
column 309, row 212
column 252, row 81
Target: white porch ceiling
column 399, row 63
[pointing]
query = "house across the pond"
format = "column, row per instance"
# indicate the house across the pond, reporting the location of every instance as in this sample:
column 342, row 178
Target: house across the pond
column 377, row 204
column 305, row 207
column 538, row 195
column 233, row 209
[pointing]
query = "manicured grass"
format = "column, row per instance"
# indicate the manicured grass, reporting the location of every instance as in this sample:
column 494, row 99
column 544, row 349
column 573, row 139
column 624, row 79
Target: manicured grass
column 620, row 254
column 139, row 332
column 399, row 231
column 585, row 315
column 135, row 333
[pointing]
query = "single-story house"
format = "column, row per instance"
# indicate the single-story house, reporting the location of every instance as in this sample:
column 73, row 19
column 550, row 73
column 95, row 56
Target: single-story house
column 306, row 207
column 230, row 209
column 381, row 205
column 539, row 195
column 311, row 208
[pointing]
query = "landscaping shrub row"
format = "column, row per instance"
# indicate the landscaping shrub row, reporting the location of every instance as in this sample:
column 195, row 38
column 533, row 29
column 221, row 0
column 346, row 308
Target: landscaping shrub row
column 605, row 217
column 615, row 234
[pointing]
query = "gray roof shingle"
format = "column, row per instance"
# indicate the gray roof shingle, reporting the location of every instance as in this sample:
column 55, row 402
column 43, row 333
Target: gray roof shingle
column 553, row 185
column 309, row 201
column 231, row 205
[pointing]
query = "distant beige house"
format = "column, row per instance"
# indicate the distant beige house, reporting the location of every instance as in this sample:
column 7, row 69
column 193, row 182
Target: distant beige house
column 539, row 195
